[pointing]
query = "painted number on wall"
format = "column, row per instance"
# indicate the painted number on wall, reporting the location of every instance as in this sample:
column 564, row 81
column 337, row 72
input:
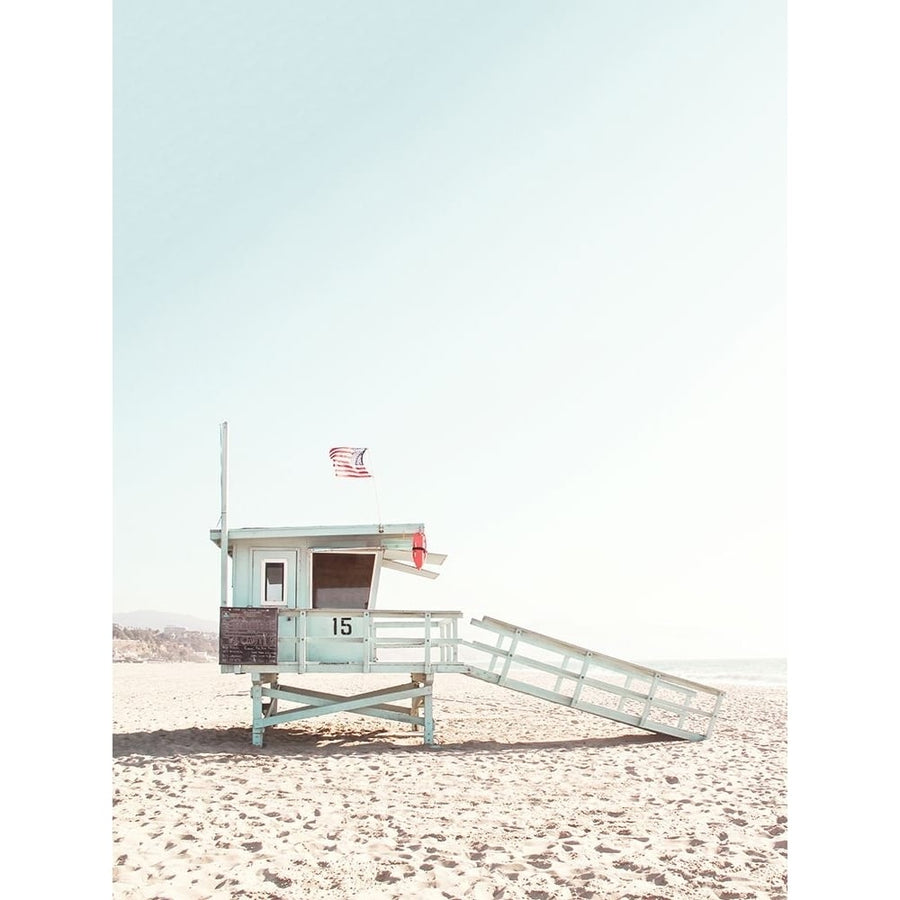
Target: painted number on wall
column 344, row 624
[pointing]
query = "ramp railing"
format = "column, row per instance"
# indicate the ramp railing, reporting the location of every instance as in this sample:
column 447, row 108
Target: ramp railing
column 583, row 679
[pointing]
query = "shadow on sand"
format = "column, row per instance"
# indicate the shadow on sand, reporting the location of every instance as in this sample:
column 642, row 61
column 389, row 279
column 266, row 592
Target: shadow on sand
column 134, row 748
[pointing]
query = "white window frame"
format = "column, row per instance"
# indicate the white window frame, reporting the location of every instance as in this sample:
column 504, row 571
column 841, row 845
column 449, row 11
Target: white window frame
column 263, row 594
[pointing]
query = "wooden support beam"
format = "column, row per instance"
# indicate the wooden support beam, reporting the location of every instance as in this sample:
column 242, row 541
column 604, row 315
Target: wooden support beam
column 377, row 704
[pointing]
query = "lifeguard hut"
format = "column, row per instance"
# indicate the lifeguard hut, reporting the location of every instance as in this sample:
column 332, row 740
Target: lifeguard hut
column 304, row 600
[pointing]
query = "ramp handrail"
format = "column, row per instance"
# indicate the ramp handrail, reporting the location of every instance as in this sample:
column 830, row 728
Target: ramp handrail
column 593, row 682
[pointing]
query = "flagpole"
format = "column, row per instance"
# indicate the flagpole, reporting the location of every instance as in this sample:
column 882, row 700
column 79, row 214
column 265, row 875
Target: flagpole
column 377, row 501
column 223, row 437
column 377, row 504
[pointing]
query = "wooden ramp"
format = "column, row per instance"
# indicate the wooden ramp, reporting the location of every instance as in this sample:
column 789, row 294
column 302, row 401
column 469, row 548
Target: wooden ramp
column 563, row 673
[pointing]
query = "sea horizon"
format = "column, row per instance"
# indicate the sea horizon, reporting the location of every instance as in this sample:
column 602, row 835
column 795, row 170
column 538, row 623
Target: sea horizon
column 750, row 671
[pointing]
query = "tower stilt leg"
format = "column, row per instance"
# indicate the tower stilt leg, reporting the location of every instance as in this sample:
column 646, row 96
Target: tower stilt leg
column 256, row 699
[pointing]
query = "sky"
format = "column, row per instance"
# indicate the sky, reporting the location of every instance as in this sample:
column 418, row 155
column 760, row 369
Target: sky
column 531, row 255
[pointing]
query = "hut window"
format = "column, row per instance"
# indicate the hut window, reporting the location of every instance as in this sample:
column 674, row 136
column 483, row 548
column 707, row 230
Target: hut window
column 273, row 583
column 342, row 580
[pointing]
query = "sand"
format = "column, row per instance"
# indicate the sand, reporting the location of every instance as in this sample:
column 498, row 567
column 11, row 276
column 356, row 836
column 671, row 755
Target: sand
column 519, row 799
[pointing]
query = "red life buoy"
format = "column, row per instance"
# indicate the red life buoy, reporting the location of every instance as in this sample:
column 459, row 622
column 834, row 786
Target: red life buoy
column 419, row 551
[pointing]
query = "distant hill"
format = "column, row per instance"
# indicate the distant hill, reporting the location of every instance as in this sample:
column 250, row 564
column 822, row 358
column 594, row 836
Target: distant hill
column 134, row 645
column 151, row 618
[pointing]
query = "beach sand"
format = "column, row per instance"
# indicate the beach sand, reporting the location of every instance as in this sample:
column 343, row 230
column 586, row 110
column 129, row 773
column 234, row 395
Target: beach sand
column 519, row 799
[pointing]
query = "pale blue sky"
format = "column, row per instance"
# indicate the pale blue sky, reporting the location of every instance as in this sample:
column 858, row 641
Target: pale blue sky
column 531, row 254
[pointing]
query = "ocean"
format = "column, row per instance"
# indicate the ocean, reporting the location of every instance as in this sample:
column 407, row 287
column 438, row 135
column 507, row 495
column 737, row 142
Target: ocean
column 749, row 672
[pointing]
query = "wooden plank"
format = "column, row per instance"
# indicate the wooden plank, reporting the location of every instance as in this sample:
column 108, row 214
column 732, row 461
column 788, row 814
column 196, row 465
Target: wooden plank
column 605, row 712
column 581, row 681
column 385, row 534
column 394, row 714
column 432, row 559
column 409, row 570
column 351, row 668
column 357, row 702
column 409, row 643
column 306, row 695
column 405, row 613
column 325, row 704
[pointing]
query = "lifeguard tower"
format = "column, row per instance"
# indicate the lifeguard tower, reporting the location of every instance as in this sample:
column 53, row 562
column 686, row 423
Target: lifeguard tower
column 303, row 600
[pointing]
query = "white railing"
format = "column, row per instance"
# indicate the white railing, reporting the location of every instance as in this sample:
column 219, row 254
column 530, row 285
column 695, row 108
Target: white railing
column 357, row 640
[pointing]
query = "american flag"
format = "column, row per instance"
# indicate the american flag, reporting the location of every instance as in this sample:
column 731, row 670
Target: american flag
column 348, row 462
